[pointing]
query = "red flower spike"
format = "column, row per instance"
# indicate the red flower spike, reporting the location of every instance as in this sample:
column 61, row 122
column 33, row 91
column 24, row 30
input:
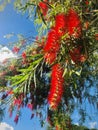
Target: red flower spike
column 17, row 102
column 16, row 49
column 52, row 41
column 74, row 24
column 56, row 90
column 60, row 24
column 30, row 106
column 52, row 46
column 44, row 8
column 24, row 55
column 76, row 55
column 16, row 119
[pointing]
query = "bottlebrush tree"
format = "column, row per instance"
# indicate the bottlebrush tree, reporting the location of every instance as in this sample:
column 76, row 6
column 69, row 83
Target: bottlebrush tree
column 59, row 66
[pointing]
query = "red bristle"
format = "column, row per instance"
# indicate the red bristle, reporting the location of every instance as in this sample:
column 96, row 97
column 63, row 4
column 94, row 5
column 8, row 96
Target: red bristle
column 50, row 57
column 52, row 41
column 61, row 24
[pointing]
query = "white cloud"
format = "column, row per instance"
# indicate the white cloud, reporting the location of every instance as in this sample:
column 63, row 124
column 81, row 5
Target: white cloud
column 76, row 123
column 5, row 126
column 93, row 124
column 6, row 53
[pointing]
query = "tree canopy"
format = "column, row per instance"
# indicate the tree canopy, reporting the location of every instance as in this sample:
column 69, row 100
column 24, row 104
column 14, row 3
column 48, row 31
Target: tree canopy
column 58, row 68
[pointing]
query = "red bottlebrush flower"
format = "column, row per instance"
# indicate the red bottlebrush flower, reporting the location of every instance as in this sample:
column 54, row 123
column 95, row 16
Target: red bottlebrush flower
column 61, row 24
column 16, row 119
column 60, row 20
column 24, row 55
column 56, row 90
column 44, row 8
column 17, row 102
column 16, row 49
column 74, row 24
column 52, row 46
column 76, row 55
column 50, row 57
column 87, row 2
column 96, row 36
column 30, row 106
column 52, row 41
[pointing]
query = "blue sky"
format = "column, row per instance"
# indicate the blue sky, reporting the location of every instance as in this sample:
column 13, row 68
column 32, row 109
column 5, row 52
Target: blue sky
column 13, row 22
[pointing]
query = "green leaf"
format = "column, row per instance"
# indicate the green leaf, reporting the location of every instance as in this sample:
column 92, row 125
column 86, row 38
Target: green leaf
column 23, row 78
